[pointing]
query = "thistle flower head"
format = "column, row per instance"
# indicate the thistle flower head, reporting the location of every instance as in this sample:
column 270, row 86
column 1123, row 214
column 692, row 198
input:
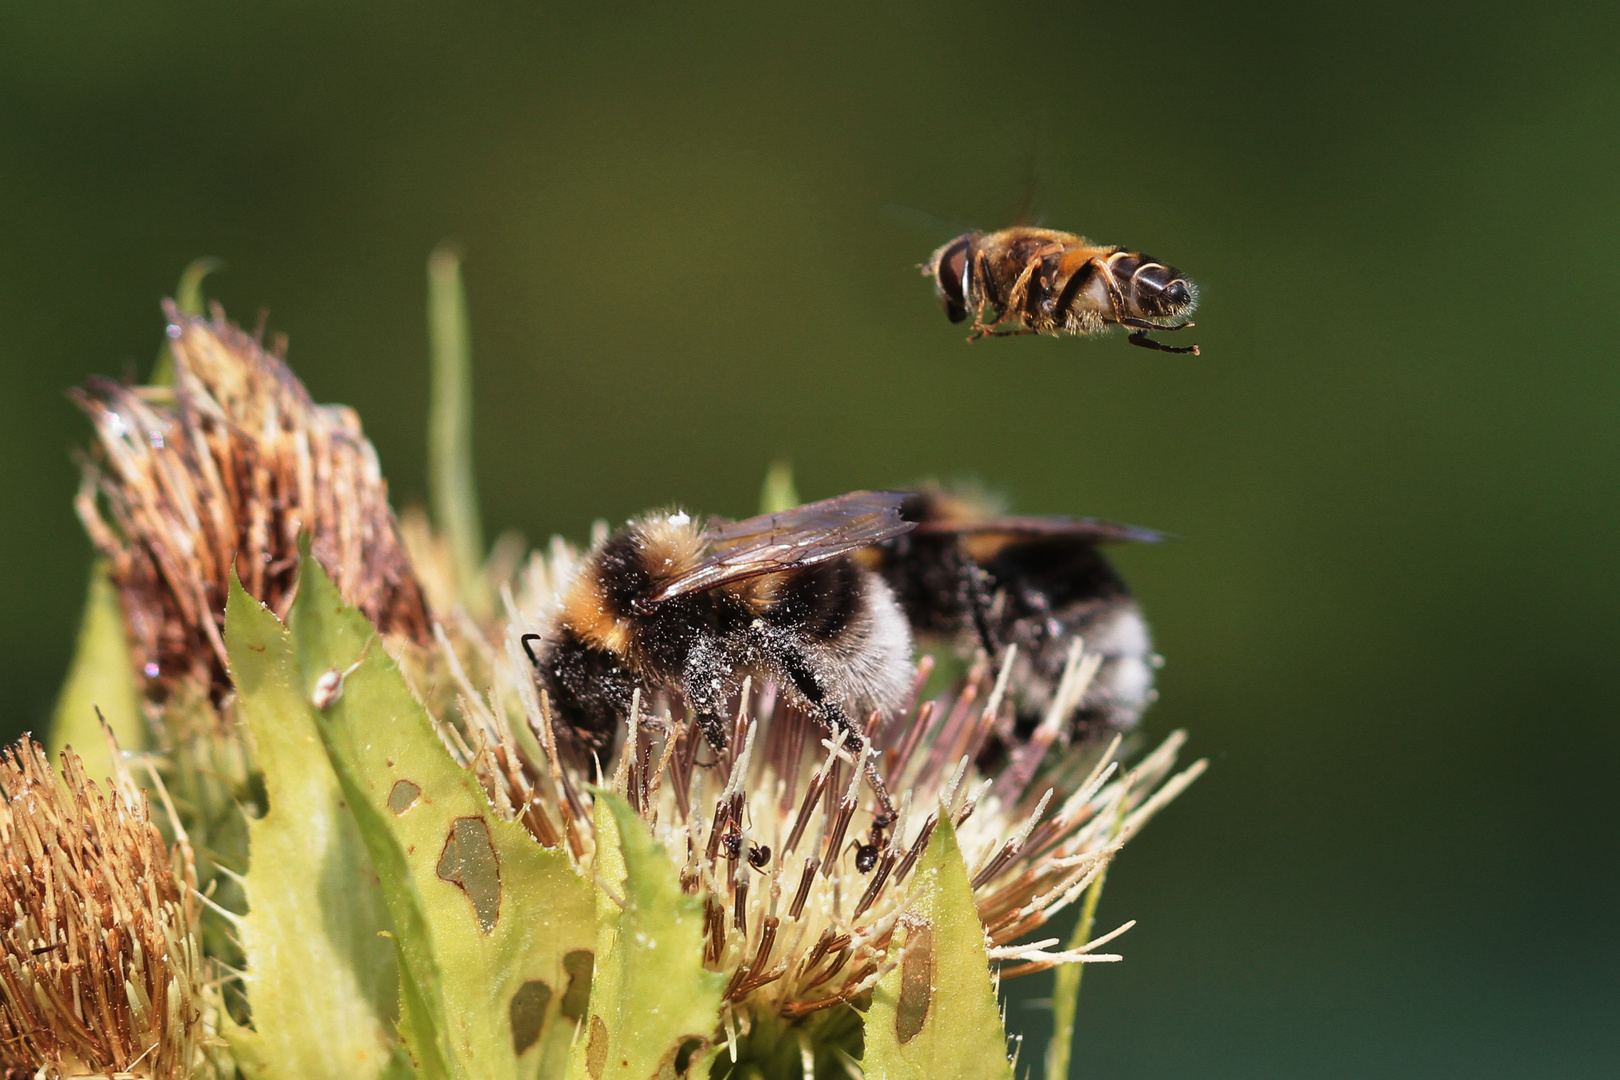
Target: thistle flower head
column 802, row 882
column 225, row 469
column 102, row 969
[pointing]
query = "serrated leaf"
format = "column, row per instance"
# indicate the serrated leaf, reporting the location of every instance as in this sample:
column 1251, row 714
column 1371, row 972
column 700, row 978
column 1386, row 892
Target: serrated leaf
column 99, row 677
column 651, row 996
column 489, row 925
column 321, row 981
column 934, row 1017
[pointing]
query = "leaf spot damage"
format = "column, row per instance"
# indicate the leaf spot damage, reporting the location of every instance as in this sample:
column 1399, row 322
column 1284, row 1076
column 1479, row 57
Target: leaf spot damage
column 916, row 983
column 683, row 1055
column 528, row 1014
column 403, row 796
column 469, row 863
column 579, row 964
column 596, row 1050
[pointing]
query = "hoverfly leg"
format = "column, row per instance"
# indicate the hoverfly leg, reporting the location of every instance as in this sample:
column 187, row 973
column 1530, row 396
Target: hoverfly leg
column 1142, row 324
column 1141, row 338
column 984, row 330
column 1018, row 297
column 1020, row 288
column 980, row 328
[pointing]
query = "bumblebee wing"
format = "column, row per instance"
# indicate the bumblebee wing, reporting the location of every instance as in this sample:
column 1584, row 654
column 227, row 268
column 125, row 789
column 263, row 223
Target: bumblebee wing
column 1086, row 528
column 803, row 536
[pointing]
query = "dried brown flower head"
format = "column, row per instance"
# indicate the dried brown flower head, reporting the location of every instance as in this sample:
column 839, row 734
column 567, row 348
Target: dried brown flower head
column 101, row 962
column 223, row 469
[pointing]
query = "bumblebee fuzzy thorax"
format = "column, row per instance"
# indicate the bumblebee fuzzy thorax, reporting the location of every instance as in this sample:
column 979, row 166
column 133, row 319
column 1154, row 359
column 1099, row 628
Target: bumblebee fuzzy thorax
column 669, row 543
column 601, row 605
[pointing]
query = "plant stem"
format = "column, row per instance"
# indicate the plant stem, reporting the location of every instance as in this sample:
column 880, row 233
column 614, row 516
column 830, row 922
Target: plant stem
column 778, row 494
column 452, row 490
column 1066, row 986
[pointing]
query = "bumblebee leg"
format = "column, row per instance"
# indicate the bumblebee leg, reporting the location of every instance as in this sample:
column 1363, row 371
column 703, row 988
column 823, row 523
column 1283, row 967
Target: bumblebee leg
column 714, row 731
column 1141, row 338
column 705, row 694
column 977, row 599
column 833, row 719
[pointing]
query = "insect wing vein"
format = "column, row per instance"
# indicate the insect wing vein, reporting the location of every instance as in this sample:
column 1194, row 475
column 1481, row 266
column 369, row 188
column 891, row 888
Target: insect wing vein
column 802, row 536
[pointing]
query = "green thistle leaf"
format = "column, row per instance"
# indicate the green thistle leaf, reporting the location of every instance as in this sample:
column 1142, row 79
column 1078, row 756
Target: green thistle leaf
column 653, row 1007
column 322, row 982
column 101, row 676
column 934, row 1017
column 490, row 927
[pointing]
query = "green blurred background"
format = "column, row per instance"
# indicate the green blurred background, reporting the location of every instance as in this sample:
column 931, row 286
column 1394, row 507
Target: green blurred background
column 1391, row 621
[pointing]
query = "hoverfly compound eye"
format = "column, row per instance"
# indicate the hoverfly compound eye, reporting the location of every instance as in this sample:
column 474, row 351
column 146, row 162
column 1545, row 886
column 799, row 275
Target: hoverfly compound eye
column 952, row 277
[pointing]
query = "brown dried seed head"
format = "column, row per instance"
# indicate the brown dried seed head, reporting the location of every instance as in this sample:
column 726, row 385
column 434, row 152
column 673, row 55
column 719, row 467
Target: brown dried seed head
column 102, row 968
column 226, row 469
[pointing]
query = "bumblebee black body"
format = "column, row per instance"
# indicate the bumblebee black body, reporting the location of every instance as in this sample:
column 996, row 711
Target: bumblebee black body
column 967, row 575
column 1052, row 591
column 667, row 607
